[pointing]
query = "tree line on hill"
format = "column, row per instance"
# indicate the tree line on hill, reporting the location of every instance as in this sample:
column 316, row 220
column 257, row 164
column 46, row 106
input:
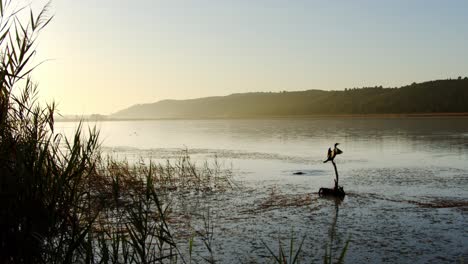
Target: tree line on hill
column 439, row 96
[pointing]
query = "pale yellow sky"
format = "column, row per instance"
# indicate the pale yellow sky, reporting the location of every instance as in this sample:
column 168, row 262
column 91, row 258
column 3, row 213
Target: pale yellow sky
column 107, row 55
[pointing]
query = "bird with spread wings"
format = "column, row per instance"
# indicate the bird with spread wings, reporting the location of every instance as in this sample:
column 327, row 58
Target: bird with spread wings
column 332, row 153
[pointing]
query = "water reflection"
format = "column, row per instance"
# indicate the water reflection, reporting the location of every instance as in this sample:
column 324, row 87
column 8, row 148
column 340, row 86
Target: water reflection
column 335, row 244
column 363, row 137
column 332, row 231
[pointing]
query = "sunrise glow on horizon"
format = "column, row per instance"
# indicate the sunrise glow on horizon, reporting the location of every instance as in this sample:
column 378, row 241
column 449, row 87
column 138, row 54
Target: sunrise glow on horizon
column 104, row 56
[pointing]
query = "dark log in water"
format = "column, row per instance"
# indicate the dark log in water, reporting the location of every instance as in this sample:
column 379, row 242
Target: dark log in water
column 337, row 191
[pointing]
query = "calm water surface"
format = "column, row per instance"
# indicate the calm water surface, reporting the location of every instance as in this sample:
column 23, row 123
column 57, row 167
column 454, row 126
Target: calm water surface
column 406, row 179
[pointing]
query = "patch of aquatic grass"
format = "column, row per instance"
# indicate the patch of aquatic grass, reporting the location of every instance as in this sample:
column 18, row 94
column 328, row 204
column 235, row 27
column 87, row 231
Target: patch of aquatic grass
column 290, row 255
column 287, row 255
column 136, row 206
column 328, row 257
column 134, row 231
column 179, row 174
column 276, row 199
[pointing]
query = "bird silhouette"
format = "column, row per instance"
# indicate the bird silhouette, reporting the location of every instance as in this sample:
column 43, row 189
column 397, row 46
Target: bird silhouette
column 332, row 153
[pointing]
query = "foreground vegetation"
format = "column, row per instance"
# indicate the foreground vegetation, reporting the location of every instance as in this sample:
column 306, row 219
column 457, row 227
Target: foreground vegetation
column 62, row 200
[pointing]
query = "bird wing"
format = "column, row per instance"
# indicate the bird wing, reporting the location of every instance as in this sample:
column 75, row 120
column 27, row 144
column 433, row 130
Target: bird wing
column 338, row 151
column 329, row 153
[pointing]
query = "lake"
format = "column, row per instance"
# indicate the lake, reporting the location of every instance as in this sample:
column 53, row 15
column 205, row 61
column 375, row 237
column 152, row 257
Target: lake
column 406, row 181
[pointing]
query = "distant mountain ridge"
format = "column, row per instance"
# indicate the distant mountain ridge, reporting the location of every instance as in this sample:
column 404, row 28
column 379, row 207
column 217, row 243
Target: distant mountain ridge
column 439, row 96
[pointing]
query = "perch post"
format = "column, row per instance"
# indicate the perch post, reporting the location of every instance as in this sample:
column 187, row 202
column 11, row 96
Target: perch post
column 336, row 173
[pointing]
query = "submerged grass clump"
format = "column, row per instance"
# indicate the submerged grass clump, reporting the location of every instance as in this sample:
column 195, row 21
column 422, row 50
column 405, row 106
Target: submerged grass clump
column 285, row 256
column 133, row 226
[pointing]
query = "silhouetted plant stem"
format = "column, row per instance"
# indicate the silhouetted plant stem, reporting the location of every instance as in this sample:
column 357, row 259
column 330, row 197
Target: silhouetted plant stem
column 336, row 173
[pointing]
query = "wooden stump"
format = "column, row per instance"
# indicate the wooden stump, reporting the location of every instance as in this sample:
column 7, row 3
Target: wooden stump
column 337, row 191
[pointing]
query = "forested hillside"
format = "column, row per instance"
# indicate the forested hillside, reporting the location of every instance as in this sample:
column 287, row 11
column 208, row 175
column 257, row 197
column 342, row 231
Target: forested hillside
column 441, row 96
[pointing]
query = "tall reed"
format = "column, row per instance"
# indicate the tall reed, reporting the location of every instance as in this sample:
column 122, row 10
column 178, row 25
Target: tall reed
column 53, row 189
column 62, row 201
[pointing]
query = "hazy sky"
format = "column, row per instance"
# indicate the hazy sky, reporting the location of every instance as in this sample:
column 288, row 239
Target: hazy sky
column 109, row 54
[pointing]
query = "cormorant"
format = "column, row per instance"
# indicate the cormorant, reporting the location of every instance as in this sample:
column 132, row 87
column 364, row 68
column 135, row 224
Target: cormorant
column 332, row 153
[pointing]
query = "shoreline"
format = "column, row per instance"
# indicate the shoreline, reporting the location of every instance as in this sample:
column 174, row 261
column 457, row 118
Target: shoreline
column 350, row 116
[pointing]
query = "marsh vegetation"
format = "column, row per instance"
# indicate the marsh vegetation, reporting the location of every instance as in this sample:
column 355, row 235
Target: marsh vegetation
column 64, row 201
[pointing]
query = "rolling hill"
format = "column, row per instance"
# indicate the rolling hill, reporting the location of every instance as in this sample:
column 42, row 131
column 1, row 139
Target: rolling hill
column 440, row 96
